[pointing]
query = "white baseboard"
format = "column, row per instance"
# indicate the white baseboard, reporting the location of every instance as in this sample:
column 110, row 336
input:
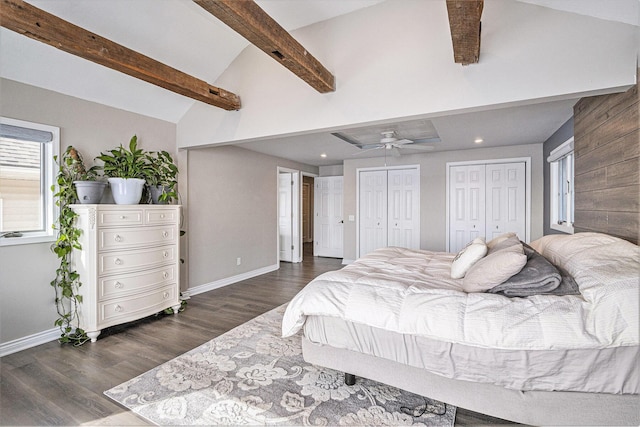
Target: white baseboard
column 231, row 280
column 24, row 343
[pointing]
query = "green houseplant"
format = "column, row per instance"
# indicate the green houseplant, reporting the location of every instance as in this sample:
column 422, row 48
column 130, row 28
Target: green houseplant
column 126, row 170
column 67, row 281
column 88, row 187
column 161, row 176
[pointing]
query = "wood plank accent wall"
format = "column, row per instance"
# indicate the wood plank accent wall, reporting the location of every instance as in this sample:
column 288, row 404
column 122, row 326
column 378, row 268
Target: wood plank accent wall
column 607, row 160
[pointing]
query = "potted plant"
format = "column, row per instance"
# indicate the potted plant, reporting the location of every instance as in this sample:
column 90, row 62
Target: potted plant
column 67, row 281
column 126, row 172
column 88, row 188
column 161, row 176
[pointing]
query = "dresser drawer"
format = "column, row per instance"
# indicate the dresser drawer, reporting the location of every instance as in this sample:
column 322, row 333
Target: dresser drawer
column 127, row 284
column 136, row 306
column 162, row 216
column 112, row 218
column 136, row 260
column 112, row 239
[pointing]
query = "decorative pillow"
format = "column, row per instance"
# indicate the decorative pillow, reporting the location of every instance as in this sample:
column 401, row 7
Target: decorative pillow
column 491, row 243
column 494, row 269
column 468, row 256
column 504, row 244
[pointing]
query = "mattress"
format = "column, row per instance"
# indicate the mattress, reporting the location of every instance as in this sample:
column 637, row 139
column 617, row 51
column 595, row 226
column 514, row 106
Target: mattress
column 606, row 370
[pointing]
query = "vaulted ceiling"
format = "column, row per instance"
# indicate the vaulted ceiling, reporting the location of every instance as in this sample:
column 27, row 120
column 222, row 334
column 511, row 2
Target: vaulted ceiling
column 182, row 35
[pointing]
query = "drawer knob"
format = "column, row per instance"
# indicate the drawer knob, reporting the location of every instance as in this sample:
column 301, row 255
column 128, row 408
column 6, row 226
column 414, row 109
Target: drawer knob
column 118, row 261
column 165, row 234
column 122, row 217
column 165, row 254
column 119, row 285
column 165, row 275
column 161, row 216
column 118, row 308
column 165, row 295
column 117, row 238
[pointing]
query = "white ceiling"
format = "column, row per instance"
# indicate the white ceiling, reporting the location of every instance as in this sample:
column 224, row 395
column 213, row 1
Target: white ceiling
column 184, row 36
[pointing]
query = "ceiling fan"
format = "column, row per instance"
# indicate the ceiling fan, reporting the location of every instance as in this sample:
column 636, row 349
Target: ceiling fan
column 390, row 142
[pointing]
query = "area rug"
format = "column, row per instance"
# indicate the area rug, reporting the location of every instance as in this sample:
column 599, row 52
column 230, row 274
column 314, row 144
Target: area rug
column 253, row 376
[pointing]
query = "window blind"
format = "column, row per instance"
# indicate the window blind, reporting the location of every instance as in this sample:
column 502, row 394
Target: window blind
column 24, row 134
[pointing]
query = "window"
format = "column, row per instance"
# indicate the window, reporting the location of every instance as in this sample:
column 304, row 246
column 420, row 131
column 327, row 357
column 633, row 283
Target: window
column 561, row 211
column 27, row 171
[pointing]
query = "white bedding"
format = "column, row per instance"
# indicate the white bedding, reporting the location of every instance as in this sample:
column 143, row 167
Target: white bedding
column 411, row 292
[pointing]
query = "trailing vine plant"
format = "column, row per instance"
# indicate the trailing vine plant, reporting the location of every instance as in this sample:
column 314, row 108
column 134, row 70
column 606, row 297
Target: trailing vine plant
column 67, row 281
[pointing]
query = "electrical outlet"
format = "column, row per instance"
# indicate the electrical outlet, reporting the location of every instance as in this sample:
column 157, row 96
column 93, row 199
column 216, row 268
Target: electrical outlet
column 238, row 261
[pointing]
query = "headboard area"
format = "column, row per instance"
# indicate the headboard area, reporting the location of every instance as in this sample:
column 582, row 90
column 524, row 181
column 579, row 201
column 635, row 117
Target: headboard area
column 607, row 158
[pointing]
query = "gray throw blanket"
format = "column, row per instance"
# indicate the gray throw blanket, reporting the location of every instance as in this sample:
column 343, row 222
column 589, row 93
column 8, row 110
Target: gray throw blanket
column 538, row 276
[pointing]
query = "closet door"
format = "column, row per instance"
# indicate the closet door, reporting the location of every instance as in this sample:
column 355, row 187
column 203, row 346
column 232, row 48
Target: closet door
column 403, row 188
column 505, row 193
column 466, row 205
column 373, row 210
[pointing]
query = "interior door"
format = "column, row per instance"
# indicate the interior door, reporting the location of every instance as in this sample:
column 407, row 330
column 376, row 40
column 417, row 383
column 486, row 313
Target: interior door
column 506, row 200
column 328, row 224
column 373, row 220
column 466, row 205
column 403, row 200
column 285, row 216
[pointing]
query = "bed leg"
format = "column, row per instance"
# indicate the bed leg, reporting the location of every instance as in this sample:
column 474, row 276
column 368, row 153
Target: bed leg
column 349, row 379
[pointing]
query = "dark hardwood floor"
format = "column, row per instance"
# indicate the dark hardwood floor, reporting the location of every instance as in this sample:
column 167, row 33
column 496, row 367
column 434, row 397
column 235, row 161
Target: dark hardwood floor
column 53, row 384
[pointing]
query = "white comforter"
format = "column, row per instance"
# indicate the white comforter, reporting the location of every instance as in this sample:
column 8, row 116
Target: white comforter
column 410, row 292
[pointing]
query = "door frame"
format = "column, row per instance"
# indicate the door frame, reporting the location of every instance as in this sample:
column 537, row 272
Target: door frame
column 527, row 188
column 369, row 169
column 296, row 226
column 313, row 206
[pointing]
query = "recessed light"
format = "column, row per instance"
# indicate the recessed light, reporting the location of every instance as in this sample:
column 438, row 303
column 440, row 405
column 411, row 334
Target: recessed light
column 478, row 140
column 323, row 155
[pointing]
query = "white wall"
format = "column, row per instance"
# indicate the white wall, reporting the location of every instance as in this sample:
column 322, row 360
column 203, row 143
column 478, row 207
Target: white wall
column 433, row 190
column 395, row 60
column 26, row 298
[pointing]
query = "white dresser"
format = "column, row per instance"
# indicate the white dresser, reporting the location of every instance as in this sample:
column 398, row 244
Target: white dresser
column 129, row 264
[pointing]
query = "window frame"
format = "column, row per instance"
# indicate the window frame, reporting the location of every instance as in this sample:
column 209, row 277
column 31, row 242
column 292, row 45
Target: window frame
column 50, row 211
column 561, row 203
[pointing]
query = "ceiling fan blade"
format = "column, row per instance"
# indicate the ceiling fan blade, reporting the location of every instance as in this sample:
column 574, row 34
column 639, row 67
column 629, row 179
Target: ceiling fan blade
column 365, row 150
column 427, row 140
column 417, row 147
column 403, row 142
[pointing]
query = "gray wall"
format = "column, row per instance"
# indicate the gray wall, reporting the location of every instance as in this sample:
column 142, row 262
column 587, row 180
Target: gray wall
column 232, row 211
column 561, row 135
column 26, row 298
column 433, row 190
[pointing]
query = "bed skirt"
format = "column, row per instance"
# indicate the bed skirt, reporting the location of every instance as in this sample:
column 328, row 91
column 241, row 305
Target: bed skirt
column 527, row 407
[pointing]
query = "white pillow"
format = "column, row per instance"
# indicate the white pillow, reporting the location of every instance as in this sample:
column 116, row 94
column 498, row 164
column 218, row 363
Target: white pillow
column 494, row 269
column 468, row 256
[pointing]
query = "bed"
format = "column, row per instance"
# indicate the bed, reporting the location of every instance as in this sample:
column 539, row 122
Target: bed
column 566, row 355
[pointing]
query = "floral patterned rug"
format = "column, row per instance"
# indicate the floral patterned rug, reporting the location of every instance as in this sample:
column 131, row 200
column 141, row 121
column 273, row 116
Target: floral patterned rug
column 251, row 375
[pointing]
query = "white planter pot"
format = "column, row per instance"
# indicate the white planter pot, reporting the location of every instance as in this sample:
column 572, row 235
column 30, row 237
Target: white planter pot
column 126, row 191
column 89, row 192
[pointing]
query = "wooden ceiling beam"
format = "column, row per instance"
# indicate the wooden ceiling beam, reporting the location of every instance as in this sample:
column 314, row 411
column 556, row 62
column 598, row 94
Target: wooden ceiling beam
column 464, row 22
column 254, row 24
column 28, row 20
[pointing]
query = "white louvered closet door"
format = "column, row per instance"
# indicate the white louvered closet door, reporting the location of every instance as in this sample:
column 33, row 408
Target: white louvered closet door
column 466, row 205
